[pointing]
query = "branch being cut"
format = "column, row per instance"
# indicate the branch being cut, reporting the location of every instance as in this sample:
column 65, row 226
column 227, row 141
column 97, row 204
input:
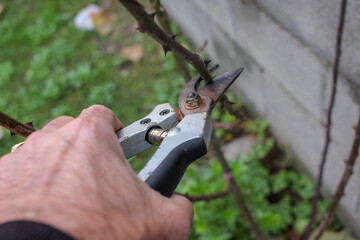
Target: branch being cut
column 146, row 24
column 235, row 189
column 15, row 126
column 340, row 190
column 335, row 67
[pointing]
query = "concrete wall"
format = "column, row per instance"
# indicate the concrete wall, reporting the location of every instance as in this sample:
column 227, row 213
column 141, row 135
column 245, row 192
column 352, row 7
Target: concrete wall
column 287, row 47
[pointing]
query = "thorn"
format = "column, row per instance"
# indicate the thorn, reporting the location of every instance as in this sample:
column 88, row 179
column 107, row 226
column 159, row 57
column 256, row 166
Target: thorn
column 207, row 62
column 30, row 124
column 230, row 102
column 224, row 101
column 174, row 36
column 152, row 15
column 140, row 28
column 213, row 68
column 166, row 49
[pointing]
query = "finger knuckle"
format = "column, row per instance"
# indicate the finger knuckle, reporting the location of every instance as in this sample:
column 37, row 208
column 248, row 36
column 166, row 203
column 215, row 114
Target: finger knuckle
column 59, row 120
column 86, row 122
column 97, row 109
column 64, row 118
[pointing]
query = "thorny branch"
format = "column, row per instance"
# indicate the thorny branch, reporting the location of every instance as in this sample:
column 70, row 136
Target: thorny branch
column 340, row 190
column 15, row 126
column 335, row 67
column 237, row 193
column 146, row 24
column 165, row 24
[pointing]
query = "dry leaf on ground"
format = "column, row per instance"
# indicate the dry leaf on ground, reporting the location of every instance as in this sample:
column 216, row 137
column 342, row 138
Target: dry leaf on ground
column 104, row 22
column 133, row 52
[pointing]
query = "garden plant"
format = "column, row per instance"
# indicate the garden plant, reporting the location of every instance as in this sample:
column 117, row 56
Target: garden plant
column 49, row 68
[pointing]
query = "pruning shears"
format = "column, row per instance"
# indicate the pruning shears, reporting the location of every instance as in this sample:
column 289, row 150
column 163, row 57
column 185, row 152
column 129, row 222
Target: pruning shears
column 183, row 135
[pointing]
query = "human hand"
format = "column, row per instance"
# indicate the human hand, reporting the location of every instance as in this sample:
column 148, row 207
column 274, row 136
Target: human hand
column 73, row 175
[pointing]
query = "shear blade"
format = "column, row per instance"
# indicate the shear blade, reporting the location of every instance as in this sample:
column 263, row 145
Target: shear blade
column 209, row 92
column 219, row 85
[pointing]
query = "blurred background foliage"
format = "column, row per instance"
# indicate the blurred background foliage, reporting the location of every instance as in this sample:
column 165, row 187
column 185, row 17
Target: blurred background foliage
column 49, row 68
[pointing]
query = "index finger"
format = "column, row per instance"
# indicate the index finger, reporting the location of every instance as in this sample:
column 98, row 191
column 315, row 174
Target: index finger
column 57, row 123
column 102, row 114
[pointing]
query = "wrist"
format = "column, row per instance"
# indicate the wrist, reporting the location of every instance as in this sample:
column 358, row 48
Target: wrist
column 76, row 221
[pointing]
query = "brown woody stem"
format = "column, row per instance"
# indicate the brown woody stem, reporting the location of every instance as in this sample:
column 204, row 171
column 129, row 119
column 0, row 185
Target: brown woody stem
column 147, row 25
column 208, row 197
column 340, row 190
column 237, row 193
column 165, row 24
column 335, row 67
column 15, row 126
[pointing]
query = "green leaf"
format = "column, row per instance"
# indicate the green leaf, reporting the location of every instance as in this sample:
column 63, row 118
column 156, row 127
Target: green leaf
column 302, row 209
column 300, row 225
column 279, row 182
column 304, row 187
column 257, row 126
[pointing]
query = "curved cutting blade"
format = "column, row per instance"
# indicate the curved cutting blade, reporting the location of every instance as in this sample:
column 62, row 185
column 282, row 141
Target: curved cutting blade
column 210, row 93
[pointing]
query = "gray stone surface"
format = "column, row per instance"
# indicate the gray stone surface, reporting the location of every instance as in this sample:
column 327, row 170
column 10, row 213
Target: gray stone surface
column 239, row 147
column 286, row 47
column 315, row 23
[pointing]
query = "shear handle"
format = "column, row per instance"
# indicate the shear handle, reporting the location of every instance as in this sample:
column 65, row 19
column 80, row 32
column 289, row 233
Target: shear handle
column 185, row 143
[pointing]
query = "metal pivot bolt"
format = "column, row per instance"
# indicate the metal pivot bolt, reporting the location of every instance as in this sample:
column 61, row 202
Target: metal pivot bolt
column 193, row 100
column 156, row 135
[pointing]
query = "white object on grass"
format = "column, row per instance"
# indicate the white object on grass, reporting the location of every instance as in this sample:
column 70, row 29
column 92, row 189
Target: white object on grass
column 83, row 20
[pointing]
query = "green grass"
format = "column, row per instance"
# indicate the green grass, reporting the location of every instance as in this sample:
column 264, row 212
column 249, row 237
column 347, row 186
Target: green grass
column 48, row 68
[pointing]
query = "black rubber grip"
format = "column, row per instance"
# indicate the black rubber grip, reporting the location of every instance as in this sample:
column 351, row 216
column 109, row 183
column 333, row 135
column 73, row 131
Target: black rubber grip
column 167, row 176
